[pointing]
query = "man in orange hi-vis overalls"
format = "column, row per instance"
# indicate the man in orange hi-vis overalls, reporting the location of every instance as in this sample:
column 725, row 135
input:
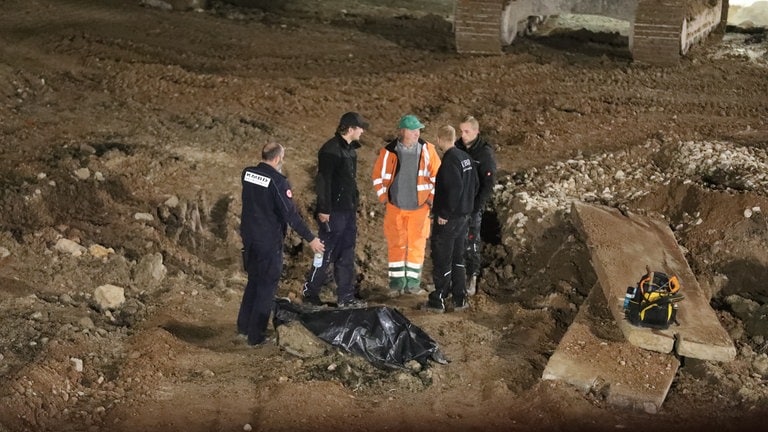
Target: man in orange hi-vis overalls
column 403, row 178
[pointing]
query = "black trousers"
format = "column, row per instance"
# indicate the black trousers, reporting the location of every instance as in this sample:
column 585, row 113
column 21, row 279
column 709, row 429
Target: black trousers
column 339, row 237
column 472, row 254
column 448, row 272
column 264, row 264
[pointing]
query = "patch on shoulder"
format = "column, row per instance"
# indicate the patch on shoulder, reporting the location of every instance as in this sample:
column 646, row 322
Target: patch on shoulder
column 257, row 179
column 288, row 193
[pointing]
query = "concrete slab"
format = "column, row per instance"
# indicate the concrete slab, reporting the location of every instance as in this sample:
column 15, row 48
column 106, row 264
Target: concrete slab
column 621, row 245
column 594, row 357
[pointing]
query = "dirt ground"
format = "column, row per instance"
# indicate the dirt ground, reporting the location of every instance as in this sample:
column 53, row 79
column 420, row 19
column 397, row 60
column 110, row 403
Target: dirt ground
column 124, row 128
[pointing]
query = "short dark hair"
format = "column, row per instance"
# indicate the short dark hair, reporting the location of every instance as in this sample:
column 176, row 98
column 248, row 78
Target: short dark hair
column 271, row 151
column 343, row 129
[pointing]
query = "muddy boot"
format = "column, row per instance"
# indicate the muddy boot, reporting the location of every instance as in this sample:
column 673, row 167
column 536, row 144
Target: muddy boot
column 434, row 304
column 461, row 306
column 472, row 285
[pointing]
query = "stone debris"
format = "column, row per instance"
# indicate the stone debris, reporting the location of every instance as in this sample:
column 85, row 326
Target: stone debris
column 751, row 313
column 294, row 338
column 171, row 202
column 150, row 270
column 66, row 299
column 146, row 217
column 109, row 297
column 86, row 323
column 83, row 173
column 616, row 178
column 68, row 246
column 99, row 251
column 77, row 364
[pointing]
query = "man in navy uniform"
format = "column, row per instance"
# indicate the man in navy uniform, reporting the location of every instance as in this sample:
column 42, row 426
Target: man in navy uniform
column 268, row 209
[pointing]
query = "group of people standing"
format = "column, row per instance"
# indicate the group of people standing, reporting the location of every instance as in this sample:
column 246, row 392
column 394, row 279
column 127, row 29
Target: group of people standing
column 410, row 180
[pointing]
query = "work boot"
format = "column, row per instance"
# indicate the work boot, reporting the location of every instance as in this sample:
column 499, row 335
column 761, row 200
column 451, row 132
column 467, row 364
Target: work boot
column 415, row 291
column 312, row 302
column 431, row 307
column 397, row 284
column 435, row 303
column 261, row 343
column 472, row 285
column 392, row 293
column 461, row 306
column 412, row 285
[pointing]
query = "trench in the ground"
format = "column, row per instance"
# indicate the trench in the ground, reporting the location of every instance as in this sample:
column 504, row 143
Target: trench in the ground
column 557, row 262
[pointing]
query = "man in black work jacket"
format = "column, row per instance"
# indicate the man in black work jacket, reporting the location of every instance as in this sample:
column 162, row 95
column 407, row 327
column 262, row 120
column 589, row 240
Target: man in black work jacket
column 482, row 153
column 337, row 199
column 456, row 187
column 268, row 209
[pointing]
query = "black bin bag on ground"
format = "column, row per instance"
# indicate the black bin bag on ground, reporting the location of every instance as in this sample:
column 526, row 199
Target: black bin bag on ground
column 382, row 335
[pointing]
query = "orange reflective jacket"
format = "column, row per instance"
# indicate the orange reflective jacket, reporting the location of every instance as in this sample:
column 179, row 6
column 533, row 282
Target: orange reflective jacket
column 386, row 167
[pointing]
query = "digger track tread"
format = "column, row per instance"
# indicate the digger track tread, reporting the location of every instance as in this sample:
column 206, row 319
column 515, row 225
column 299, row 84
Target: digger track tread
column 478, row 26
column 657, row 32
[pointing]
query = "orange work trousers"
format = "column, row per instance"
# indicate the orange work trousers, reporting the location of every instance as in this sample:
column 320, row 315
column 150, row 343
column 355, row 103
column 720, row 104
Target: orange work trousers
column 406, row 232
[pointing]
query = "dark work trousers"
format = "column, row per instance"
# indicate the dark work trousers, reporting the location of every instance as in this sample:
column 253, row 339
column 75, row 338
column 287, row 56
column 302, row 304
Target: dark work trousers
column 264, row 264
column 472, row 256
column 338, row 236
column 448, row 272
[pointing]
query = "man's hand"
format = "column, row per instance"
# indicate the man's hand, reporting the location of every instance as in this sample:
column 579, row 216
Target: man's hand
column 441, row 221
column 317, row 245
column 323, row 217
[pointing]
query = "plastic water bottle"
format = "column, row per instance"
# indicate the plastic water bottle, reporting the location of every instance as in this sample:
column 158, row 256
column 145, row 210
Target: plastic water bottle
column 629, row 296
column 317, row 261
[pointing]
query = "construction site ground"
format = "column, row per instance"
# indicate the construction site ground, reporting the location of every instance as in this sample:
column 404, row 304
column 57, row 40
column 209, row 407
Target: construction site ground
column 124, row 128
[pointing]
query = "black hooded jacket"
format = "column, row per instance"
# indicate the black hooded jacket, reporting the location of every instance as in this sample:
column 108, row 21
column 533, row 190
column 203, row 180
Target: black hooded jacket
column 455, row 185
column 482, row 153
column 336, row 184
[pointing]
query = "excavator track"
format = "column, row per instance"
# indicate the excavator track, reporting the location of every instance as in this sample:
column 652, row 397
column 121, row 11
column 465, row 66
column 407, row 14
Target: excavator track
column 656, row 32
column 662, row 31
column 477, row 24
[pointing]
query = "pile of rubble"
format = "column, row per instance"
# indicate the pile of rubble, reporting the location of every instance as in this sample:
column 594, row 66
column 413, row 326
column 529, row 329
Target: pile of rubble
column 616, row 179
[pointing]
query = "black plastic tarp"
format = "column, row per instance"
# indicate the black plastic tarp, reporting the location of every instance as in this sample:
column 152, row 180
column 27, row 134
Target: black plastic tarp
column 380, row 334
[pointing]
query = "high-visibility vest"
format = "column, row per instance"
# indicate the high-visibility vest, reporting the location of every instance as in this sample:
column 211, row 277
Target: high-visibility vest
column 387, row 166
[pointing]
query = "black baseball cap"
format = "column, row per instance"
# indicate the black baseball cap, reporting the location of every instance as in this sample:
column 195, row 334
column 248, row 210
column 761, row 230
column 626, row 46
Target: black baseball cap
column 353, row 119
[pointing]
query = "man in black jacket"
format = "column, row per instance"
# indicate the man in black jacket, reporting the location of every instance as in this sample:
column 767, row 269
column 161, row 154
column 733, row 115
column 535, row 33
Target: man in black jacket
column 337, row 199
column 268, row 209
column 456, row 187
column 482, row 153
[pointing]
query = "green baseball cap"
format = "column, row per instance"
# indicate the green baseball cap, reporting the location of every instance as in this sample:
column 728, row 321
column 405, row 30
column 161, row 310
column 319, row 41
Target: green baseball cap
column 410, row 122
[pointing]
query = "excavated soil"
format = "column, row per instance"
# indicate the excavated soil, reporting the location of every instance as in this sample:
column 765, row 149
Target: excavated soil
column 124, row 128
